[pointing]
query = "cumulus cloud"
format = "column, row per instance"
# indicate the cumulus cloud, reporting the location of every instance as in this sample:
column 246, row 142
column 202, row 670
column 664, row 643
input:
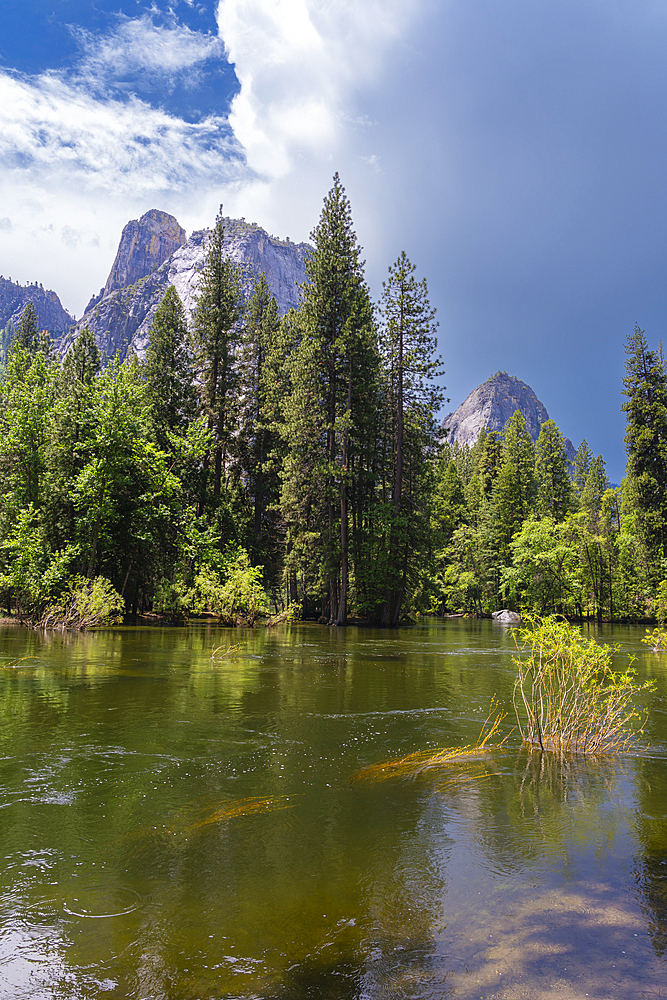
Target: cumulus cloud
column 299, row 63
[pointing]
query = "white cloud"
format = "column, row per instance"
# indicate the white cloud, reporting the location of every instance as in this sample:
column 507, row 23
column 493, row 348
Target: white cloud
column 78, row 158
column 75, row 166
column 55, row 129
column 299, row 63
column 312, row 76
column 138, row 45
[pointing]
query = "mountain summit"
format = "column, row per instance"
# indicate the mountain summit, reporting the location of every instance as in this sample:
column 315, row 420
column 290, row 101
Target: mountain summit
column 154, row 254
column 14, row 297
column 145, row 244
column 491, row 405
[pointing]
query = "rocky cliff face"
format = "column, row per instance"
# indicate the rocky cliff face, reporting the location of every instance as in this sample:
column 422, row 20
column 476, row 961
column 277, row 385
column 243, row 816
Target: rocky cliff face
column 121, row 319
column 14, row 298
column 145, row 244
column 491, row 405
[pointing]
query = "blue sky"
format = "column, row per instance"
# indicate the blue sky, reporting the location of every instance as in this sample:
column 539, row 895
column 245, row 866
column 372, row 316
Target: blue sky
column 517, row 151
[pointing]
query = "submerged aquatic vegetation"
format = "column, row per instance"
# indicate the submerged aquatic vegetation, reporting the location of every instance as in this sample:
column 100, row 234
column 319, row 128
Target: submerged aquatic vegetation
column 236, row 808
column 194, row 818
column 218, row 653
column 457, row 760
column 567, row 698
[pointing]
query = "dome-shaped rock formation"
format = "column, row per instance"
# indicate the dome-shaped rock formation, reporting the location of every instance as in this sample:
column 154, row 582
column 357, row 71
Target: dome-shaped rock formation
column 491, row 405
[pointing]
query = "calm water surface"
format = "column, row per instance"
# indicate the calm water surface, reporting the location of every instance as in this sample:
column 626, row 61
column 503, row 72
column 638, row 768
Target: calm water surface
column 180, row 828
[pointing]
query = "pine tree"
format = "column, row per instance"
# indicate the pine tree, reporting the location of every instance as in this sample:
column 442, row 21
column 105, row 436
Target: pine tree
column 72, row 434
column 515, row 489
column 449, row 504
column 214, row 335
column 645, row 388
column 554, row 486
column 489, row 448
column 582, row 463
column 410, row 365
column 26, row 334
column 168, row 369
column 331, row 373
column 256, row 439
column 594, row 550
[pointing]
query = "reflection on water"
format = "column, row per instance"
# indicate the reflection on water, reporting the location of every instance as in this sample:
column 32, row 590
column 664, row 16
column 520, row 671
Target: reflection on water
column 177, row 827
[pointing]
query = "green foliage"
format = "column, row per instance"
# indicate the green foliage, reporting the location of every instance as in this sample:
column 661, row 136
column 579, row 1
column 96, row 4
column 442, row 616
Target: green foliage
column 84, row 604
column 310, row 445
column 214, row 338
column 656, row 639
column 26, row 335
column 236, row 595
column 329, row 420
column 554, row 486
column 567, row 698
column 168, row 370
column 645, row 389
column 582, row 463
column 544, row 572
column 32, row 572
column 411, row 397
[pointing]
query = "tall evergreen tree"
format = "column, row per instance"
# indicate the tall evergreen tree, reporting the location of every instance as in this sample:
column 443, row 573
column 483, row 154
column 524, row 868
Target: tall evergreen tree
column 489, row 449
column 408, row 349
column 645, row 389
column 554, row 486
column 214, row 335
column 515, row 489
column 26, row 334
column 71, row 441
column 582, row 463
column 256, row 437
column 168, row 369
column 331, row 372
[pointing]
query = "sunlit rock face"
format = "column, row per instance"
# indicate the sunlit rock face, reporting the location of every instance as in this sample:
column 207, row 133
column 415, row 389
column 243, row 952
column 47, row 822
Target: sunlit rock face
column 14, row 298
column 491, row 405
column 121, row 319
column 145, row 244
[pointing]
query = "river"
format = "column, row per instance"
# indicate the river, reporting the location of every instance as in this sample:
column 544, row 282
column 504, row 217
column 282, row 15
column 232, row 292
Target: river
column 178, row 827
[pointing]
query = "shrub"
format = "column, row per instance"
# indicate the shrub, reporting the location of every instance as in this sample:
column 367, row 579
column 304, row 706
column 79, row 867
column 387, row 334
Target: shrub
column 657, row 640
column 172, row 600
column 567, row 698
column 236, row 600
column 84, row 604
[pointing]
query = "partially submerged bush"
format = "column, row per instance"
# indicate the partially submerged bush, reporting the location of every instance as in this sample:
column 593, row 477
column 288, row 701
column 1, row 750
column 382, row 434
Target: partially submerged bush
column 237, row 600
column 657, row 640
column 172, row 600
column 567, row 698
column 84, row 604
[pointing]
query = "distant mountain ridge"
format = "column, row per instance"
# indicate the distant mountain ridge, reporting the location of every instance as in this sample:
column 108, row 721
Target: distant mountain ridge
column 153, row 254
column 51, row 315
column 491, row 405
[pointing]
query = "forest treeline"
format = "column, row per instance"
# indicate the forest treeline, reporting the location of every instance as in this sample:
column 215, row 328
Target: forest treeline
column 256, row 464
